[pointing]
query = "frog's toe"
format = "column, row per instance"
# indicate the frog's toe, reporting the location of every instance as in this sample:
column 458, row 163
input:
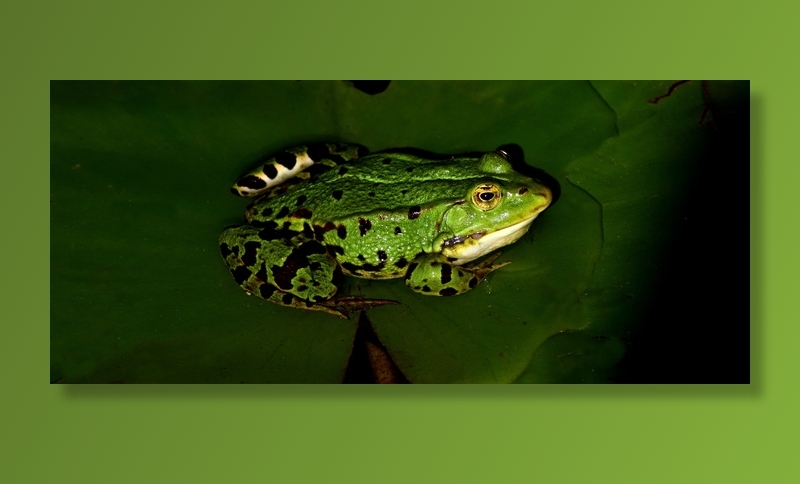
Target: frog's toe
column 346, row 305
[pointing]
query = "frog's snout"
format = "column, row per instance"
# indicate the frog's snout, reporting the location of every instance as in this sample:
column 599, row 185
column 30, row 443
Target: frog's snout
column 546, row 194
column 540, row 192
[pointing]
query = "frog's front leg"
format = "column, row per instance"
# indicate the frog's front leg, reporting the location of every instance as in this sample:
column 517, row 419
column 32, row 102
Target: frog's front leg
column 434, row 275
column 295, row 271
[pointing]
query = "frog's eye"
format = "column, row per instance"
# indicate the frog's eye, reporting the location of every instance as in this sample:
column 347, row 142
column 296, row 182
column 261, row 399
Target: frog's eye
column 503, row 153
column 486, row 197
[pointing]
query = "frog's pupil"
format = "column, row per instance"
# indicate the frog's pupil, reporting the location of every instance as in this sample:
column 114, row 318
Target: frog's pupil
column 486, row 196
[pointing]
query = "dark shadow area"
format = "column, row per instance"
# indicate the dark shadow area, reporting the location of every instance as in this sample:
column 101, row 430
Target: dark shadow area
column 697, row 327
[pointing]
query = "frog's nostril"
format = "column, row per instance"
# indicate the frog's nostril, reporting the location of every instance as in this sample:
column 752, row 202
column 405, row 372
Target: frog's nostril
column 523, row 190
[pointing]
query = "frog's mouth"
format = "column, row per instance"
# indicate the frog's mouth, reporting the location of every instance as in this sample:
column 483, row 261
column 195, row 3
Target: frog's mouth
column 466, row 248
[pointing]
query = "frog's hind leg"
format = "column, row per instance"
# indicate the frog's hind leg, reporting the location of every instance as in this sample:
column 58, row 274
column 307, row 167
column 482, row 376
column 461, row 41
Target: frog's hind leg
column 265, row 262
column 301, row 162
column 299, row 273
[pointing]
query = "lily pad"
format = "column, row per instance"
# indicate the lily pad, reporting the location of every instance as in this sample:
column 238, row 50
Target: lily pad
column 139, row 194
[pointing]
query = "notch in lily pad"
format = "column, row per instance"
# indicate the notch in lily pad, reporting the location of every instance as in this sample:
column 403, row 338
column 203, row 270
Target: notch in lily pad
column 371, row 87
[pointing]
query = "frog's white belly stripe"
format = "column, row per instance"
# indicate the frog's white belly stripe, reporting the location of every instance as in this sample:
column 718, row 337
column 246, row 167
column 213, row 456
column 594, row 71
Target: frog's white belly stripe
column 302, row 162
column 473, row 248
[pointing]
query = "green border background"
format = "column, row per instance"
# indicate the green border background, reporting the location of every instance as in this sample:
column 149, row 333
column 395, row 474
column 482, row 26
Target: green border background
column 395, row 434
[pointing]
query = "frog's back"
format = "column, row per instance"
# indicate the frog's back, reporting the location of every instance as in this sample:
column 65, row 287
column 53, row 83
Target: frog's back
column 387, row 181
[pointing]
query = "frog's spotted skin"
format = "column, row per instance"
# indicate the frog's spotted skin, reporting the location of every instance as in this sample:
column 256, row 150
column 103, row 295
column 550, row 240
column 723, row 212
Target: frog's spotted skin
column 329, row 210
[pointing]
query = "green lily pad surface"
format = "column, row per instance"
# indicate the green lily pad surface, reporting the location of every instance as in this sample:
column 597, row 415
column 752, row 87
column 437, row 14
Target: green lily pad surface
column 140, row 173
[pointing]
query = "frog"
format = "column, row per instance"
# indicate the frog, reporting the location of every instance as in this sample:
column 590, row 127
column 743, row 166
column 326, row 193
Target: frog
column 324, row 211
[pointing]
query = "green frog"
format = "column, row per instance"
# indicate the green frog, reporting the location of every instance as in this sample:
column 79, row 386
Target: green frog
column 329, row 210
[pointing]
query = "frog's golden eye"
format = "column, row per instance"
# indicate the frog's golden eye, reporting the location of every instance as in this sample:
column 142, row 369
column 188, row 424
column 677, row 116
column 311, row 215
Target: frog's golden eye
column 486, row 197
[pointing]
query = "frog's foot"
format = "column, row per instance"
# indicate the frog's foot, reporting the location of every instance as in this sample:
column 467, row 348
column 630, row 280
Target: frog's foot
column 434, row 275
column 344, row 306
